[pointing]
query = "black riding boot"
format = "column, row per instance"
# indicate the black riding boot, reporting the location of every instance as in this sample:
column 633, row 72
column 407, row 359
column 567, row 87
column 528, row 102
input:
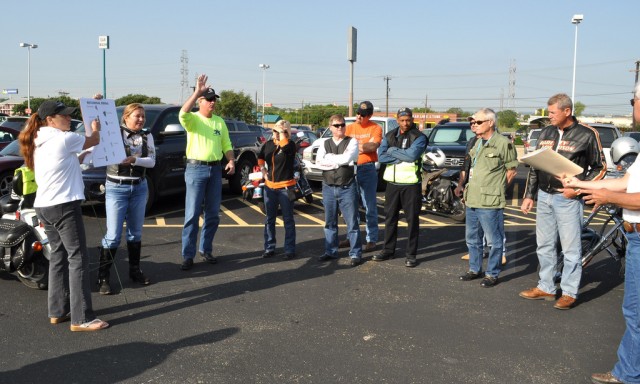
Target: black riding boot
column 107, row 256
column 135, row 274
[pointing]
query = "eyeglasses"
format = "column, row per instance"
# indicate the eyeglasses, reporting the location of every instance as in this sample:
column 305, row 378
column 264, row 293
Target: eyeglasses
column 341, row 125
column 478, row 122
column 633, row 101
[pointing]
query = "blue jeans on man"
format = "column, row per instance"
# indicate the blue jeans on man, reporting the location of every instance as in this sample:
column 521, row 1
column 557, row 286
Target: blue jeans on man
column 367, row 179
column 482, row 221
column 627, row 369
column 204, row 186
column 345, row 198
column 273, row 198
column 559, row 217
column 124, row 202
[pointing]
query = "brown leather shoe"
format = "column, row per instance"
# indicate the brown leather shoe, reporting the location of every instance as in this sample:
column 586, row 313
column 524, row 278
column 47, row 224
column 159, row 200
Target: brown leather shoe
column 565, row 302
column 537, row 294
column 600, row 378
column 344, row 244
column 368, row 247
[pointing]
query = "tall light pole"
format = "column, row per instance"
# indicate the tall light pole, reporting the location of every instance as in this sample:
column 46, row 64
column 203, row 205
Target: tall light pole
column 29, row 46
column 264, row 73
column 103, row 43
column 576, row 19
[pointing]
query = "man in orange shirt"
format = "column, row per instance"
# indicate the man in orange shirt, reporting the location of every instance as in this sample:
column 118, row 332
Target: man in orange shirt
column 369, row 136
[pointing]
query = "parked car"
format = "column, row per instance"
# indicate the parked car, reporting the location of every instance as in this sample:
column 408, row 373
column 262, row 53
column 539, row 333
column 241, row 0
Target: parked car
column 17, row 123
column 451, row 138
column 608, row 133
column 309, row 154
column 508, row 135
column 532, row 140
column 635, row 135
column 260, row 131
column 10, row 160
column 167, row 177
column 301, row 127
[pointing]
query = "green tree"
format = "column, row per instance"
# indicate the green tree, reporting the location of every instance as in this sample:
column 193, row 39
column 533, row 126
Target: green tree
column 235, row 105
column 459, row 112
column 578, row 108
column 507, row 119
column 137, row 98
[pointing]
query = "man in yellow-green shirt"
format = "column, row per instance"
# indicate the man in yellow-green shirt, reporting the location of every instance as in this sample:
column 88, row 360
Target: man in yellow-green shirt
column 207, row 142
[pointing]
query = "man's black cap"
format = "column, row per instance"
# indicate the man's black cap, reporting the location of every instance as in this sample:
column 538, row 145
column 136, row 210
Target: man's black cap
column 404, row 112
column 365, row 109
column 210, row 95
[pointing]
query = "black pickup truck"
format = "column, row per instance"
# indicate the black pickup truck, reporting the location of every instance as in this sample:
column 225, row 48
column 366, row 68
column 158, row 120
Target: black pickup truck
column 452, row 139
column 167, row 177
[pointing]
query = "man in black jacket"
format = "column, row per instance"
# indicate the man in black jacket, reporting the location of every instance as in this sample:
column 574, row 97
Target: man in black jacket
column 559, row 213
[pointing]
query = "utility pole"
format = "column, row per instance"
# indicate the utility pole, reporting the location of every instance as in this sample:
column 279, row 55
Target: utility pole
column 387, row 78
column 633, row 115
column 184, row 71
column 426, row 108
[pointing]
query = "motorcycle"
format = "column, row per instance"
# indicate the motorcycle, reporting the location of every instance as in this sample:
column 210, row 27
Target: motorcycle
column 24, row 244
column 253, row 189
column 438, row 186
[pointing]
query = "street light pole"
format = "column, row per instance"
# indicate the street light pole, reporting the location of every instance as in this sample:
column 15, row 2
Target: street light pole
column 264, row 73
column 576, row 19
column 29, row 46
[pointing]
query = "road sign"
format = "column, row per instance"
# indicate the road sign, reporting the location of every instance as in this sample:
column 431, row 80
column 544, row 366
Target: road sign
column 10, row 91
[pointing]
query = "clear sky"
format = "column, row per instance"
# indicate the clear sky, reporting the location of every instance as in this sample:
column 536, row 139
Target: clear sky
column 451, row 53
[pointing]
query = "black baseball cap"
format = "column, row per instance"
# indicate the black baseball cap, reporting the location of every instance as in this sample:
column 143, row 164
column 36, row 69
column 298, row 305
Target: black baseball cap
column 365, row 109
column 210, row 95
column 53, row 107
column 404, row 112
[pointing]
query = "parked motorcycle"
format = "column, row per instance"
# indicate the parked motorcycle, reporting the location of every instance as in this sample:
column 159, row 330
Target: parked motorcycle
column 438, row 186
column 24, row 244
column 253, row 190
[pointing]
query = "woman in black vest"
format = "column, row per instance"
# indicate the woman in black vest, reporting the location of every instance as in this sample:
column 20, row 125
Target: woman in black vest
column 126, row 197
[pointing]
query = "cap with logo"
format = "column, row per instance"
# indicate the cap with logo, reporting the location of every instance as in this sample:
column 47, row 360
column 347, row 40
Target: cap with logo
column 53, row 107
column 210, row 95
column 365, row 109
column 405, row 112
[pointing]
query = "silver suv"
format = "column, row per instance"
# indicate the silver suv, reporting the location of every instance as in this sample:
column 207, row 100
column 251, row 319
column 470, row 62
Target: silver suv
column 608, row 133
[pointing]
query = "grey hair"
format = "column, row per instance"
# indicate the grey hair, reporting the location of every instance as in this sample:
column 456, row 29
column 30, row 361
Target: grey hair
column 488, row 114
column 562, row 99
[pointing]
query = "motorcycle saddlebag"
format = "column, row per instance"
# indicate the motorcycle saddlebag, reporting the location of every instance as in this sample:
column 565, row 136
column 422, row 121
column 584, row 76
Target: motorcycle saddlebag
column 12, row 236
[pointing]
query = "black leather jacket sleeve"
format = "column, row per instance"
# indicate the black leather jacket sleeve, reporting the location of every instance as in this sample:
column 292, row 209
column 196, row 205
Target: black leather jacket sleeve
column 577, row 143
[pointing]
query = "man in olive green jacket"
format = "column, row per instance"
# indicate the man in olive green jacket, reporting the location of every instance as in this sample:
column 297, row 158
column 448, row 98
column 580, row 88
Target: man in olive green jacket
column 493, row 167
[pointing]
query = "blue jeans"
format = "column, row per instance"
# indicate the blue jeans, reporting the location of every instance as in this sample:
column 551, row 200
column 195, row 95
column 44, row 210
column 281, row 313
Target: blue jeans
column 559, row 217
column 367, row 178
column 273, row 198
column 345, row 198
column 124, row 202
column 627, row 368
column 204, row 185
column 69, row 287
column 487, row 221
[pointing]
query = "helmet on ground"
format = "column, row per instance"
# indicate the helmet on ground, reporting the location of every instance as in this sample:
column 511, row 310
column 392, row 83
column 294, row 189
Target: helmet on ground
column 622, row 147
column 437, row 157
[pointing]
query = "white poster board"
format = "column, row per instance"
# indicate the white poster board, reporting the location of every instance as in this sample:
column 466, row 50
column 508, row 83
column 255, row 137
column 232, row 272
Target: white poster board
column 547, row 160
column 111, row 148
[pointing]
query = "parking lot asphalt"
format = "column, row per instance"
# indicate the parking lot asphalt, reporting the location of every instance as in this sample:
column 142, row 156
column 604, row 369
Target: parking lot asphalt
column 253, row 320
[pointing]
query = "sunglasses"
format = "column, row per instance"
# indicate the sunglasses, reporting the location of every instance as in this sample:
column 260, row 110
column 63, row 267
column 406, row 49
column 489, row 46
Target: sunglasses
column 633, row 101
column 478, row 122
column 341, row 125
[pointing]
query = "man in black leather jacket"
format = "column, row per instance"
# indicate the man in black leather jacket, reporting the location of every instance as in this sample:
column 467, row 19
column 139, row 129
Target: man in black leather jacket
column 559, row 213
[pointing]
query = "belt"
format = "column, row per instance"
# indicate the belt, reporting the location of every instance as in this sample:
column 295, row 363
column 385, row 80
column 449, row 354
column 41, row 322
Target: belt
column 631, row 227
column 200, row 162
column 125, row 181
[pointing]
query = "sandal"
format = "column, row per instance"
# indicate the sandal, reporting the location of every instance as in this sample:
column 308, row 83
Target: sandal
column 58, row 320
column 93, row 325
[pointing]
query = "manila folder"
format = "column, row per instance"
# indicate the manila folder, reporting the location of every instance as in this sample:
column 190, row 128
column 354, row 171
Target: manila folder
column 548, row 160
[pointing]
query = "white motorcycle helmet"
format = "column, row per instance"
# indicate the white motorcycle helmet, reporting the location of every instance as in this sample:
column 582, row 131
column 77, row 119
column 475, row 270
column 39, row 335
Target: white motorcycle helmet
column 437, row 157
column 622, row 147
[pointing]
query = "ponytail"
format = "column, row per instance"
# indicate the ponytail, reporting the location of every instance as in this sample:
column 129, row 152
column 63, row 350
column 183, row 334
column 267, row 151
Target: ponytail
column 27, row 137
